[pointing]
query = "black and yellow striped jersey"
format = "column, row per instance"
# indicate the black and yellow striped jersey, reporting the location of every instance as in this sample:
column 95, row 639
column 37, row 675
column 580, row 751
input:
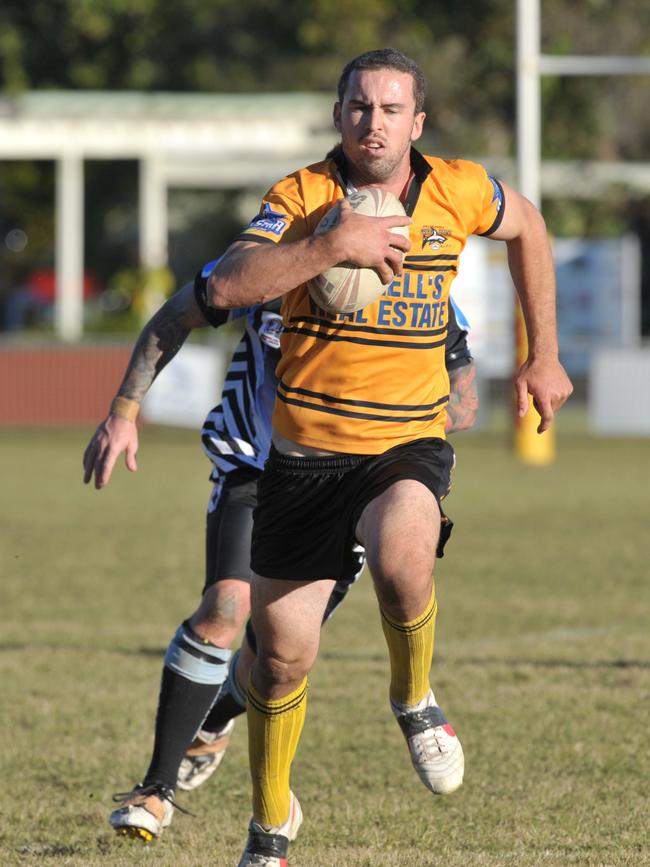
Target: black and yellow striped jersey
column 364, row 382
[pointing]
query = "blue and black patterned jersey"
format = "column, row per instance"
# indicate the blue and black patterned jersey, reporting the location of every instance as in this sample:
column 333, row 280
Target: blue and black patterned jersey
column 237, row 432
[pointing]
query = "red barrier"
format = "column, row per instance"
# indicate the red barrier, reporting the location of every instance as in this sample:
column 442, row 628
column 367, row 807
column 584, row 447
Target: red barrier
column 56, row 386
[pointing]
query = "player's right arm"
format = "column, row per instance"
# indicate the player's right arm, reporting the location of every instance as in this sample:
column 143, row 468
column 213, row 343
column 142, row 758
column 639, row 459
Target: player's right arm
column 158, row 343
column 253, row 272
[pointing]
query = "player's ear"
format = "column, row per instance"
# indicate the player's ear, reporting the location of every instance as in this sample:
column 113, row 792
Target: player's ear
column 418, row 123
column 336, row 114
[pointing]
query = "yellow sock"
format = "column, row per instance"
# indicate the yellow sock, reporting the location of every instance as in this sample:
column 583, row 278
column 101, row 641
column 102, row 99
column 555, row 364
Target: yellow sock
column 410, row 648
column 274, row 728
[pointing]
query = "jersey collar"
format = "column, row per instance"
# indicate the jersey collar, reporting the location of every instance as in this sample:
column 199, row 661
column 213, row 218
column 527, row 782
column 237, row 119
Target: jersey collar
column 419, row 166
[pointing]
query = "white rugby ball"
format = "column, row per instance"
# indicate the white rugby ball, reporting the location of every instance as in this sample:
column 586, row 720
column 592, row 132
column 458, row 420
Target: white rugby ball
column 347, row 287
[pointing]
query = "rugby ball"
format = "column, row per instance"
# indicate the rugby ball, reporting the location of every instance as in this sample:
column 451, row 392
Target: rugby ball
column 347, row 287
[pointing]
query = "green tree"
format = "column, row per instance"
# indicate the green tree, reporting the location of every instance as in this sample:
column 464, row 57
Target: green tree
column 466, row 50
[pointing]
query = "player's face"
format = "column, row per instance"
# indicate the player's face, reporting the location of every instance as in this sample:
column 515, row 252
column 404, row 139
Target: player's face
column 377, row 121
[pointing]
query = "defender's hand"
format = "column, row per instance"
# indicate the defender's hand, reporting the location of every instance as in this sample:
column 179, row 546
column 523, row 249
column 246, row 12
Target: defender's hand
column 112, row 437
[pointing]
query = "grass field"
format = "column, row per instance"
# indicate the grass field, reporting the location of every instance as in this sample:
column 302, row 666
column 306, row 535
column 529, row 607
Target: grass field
column 542, row 664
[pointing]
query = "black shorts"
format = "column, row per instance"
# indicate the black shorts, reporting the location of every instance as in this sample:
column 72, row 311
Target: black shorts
column 308, row 508
column 229, row 527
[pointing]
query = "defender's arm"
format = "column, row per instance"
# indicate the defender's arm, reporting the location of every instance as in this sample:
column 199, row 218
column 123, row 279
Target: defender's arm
column 158, row 343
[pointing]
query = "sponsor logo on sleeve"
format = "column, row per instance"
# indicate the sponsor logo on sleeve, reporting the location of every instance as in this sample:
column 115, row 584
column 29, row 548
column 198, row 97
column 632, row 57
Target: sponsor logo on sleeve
column 270, row 221
column 497, row 195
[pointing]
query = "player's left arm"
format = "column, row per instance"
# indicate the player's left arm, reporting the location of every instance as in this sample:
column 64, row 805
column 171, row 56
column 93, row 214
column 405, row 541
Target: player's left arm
column 531, row 266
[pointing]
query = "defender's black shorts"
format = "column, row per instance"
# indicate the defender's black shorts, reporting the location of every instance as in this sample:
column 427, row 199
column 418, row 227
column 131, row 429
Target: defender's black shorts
column 229, row 527
column 308, row 508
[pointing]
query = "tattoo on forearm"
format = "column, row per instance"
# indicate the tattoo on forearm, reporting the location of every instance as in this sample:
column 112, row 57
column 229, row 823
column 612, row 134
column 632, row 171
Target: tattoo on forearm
column 157, row 344
column 463, row 398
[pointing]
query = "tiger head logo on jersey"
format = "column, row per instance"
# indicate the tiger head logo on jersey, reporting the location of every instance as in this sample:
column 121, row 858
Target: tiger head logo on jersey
column 433, row 237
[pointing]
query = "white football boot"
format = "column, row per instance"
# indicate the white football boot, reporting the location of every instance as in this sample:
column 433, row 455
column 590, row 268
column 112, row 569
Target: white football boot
column 143, row 812
column 204, row 757
column 435, row 750
column 268, row 847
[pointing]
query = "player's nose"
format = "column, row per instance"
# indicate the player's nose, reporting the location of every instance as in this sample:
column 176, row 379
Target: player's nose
column 374, row 118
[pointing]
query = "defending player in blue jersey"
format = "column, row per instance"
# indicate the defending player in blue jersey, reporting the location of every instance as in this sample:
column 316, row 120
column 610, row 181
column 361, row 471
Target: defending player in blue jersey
column 192, row 730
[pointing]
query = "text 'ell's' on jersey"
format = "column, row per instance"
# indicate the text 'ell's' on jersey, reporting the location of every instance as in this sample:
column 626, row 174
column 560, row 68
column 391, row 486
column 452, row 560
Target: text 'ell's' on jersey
column 236, row 434
column 364, row 382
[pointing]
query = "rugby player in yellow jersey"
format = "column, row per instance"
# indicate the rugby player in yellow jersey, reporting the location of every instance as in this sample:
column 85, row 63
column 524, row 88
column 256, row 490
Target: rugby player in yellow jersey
column 358, row 451
column 192, row 729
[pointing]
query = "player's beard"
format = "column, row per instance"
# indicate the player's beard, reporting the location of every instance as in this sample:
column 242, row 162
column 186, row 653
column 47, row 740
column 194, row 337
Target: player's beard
column 379, row 170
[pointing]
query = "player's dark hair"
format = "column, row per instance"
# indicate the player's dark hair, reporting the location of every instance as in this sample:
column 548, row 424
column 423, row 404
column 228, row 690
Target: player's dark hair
column 386, row 58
